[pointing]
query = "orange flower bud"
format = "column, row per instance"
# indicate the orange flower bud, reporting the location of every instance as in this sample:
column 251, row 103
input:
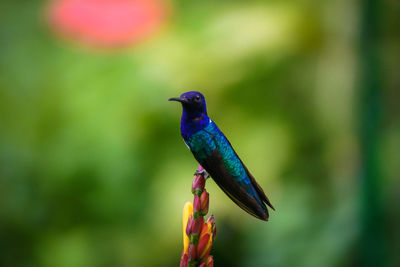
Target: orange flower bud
column 204, row 229
column 213, row 226
column 204, row 246
column 210, row 261
column 205, row 240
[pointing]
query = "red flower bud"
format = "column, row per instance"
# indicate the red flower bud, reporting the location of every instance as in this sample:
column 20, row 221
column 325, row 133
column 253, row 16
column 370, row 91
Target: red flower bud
column 197, row 225
column 204, row 246
column 193, row 228
column 196, row 204
column 210, row 261
column 192, row 253
column 184, row 261
column 204, row 202
column 198, row 184
column 189, row 225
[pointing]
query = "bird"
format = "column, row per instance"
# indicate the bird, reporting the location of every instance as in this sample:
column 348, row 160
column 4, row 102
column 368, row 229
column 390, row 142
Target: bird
column 215, row 154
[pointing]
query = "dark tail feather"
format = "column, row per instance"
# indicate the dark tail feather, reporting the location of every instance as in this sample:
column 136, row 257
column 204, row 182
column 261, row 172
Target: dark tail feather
column 258, row 188
column 260, row 212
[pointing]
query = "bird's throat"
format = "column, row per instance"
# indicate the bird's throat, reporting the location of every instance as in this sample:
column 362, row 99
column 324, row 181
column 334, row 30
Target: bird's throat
column 193, row 124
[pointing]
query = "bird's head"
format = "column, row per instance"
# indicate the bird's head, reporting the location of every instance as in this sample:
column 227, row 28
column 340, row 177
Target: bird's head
column 193, row 103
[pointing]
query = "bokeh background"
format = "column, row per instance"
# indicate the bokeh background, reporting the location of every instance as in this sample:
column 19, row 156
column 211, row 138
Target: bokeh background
column 93, row 171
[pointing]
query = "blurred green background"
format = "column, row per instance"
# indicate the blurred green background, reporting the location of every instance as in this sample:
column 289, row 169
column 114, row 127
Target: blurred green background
column 93, row 171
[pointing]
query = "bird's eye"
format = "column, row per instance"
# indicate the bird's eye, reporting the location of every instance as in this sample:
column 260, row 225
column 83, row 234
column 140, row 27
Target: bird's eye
column 197, row 98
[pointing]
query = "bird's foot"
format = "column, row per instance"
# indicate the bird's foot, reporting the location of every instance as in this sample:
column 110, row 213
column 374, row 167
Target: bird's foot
column 202, row 172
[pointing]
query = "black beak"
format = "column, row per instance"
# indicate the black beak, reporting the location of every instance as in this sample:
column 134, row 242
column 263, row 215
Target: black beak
column 182, row 100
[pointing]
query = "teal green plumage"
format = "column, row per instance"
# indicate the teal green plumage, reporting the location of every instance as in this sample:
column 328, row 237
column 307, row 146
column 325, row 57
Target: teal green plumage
column 206, row 140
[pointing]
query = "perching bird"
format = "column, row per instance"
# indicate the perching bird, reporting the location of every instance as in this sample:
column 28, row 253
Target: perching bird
column 213, row 151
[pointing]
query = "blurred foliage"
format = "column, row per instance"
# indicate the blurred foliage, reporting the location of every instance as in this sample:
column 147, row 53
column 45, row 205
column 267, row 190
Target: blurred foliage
column 93, row 171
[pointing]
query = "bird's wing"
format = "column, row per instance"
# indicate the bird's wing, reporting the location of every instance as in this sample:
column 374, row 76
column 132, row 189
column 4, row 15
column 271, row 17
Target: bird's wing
column 256, row 186
column 215, row 167
column 213, row 162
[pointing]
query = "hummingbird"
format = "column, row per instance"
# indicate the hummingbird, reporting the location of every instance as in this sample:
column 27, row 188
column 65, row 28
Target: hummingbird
column 216, row 155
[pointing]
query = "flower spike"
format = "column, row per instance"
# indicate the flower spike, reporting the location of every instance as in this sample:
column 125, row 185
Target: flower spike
column 198, row 235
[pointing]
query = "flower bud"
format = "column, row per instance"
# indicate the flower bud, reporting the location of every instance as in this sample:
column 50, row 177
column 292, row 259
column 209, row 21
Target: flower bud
column 211, row 219
column 198, row 184
column 189, row 225
column 205, row 229
column 201, row 170
column 196, row 205
column 193, row 228
column 192, row 253
column 210, row 261
column 204, row 246
column 205, row 241
column 197, row 225
column 204, row 202
column 213, row 226
column 184, row 260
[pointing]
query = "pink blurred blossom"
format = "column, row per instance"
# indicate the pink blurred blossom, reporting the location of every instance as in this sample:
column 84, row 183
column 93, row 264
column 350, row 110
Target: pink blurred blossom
column 106, row 23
